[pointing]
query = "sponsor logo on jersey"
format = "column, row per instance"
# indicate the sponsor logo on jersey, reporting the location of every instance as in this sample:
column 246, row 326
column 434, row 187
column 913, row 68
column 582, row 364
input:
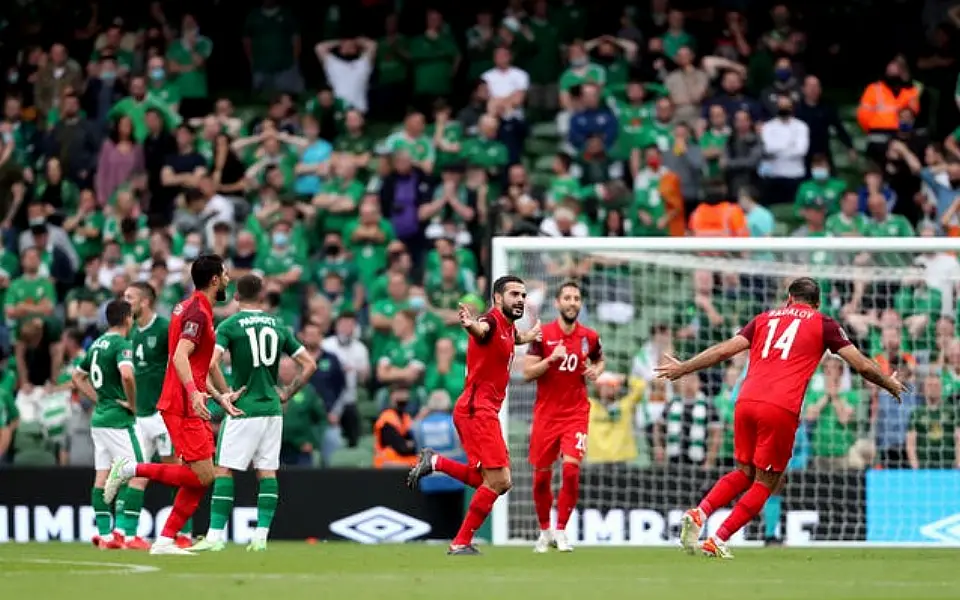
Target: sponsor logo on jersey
column 380, row 524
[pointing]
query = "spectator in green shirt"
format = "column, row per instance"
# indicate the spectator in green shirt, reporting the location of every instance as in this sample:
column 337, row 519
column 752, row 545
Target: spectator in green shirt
column 884, row 224
column 481, row 42
column 848, row 221
column 580, row 72
column 822, row 185
column 31, row 294
column 832, row 418
column 160, row 88
column 933, row 435
column 389, row 95
column 413, row 140
column 435, row 58
column 405, row 358
column 187, row 58
column 543, row 62
column 676, row 36
column 114, row 47
column 271, row 41
column 136, row 106
column 444, row 371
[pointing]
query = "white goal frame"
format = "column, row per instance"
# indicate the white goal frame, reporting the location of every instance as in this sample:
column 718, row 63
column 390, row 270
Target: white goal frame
column 502, row 246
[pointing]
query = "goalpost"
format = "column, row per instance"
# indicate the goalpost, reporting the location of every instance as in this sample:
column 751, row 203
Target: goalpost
column 850, row 481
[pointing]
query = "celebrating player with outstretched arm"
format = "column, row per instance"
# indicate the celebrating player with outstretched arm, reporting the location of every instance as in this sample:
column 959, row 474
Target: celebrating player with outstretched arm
column 256, row 341
column 786, row 345
column 183, row 404
column 490, row 354
column 561, row 362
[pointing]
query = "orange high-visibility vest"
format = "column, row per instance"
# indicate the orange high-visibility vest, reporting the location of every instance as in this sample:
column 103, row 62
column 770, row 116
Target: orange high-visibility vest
column 385, row 456
column 879, row 109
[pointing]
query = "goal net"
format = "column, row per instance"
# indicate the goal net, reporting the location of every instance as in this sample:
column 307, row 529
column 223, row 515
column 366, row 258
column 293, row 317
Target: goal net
column 865, row 470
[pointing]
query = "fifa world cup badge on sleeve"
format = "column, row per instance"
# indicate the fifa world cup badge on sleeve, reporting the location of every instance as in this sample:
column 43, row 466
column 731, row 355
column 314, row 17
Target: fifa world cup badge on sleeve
column 584, row 346
column 190, row 328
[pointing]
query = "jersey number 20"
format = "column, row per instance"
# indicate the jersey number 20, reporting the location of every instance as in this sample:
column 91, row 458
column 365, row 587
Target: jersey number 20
column 263, row 347
column 784, row 343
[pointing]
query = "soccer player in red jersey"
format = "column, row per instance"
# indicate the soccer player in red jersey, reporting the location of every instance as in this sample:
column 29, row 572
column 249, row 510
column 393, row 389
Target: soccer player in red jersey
column 476, row 416
column 786, row 345
column 183, row 404
column 567, row 356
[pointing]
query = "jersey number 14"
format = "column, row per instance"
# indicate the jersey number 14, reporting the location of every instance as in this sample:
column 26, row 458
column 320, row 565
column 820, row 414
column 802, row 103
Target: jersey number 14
column 263, row 346
column 784, row 343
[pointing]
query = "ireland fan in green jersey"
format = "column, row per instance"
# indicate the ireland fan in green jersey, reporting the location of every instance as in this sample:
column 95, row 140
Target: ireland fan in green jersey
column 255, row 340
column 106, row 377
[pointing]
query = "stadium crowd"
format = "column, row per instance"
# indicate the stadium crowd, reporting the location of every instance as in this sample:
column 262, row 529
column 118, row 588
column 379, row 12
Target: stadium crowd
column 364, row 165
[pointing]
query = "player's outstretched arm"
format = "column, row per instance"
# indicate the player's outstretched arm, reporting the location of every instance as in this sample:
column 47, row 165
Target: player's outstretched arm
column 476, row 328
column 674, row 369
column 870, row 371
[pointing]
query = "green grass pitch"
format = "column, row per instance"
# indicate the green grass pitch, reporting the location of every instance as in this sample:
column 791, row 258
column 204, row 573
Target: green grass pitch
column 291, row 571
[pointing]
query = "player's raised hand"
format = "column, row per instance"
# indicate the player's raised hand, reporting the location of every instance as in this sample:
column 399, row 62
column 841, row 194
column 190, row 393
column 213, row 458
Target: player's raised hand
column 465, row 315
column 199, row 403
column 536, row 332
column 669, row 368
column 559, row 353
column 896, row 387
column 227, row 400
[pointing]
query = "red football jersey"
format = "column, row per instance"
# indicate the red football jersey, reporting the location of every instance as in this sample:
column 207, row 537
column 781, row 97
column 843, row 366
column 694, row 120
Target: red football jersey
column 562, row 389
column 786, row 345
column 191, row 320
column 489, row 362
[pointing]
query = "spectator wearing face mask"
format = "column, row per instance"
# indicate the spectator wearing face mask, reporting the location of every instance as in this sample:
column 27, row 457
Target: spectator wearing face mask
column 821, row 185
column 159, row 87
column 880, row 106
column 785, row 83
column 103, row 90
column 354, row 357
column 785, row 140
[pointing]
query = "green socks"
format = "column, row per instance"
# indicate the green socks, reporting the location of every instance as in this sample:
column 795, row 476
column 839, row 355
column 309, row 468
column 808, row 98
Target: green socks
column 118, row 519
column 130, row 519
column 101, row 511
column 221, row 503
column 267, row 504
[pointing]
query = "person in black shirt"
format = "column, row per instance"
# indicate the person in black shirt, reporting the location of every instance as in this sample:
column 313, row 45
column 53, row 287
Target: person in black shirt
column 158, row 145
column 820, row 118
column 181, row 170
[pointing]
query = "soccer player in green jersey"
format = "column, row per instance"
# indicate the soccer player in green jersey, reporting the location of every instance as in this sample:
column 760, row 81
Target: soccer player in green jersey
column 255, row 341
column 106, row 377
column 148, row 339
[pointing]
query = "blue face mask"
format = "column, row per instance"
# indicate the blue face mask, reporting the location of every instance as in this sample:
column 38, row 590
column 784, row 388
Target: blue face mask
column 157, row 74
column 417, row 303
column 783, row 74
column 906, row 127
column 280, row 239
column 191, row 252
column 107, row 75
column 820, row 173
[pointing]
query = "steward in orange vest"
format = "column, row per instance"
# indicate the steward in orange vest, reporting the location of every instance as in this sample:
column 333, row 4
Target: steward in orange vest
column 393, row 442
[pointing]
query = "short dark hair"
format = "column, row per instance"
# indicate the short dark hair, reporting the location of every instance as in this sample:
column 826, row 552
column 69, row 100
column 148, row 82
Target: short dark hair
column 500, row 285
column 204, row 269
column 565, row 159
column 806, row 290
column 117, row 312
column 568, row 284
column 249, row 288
column 147, row 290
column 74, row 334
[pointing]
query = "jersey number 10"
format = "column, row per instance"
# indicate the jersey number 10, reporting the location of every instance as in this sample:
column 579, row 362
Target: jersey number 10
column 263, row 346
column 784, row 343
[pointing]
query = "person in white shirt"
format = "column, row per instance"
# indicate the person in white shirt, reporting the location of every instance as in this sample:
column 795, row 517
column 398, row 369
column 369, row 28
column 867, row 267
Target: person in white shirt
column 785, row 142
column 507, row 84
column 348, row 69
column 355, row 360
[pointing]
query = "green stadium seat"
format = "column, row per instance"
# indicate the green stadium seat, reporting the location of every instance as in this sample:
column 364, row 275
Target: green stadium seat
column 546, row 130
column 544, row 165
column 359, row 457
column 541, row 147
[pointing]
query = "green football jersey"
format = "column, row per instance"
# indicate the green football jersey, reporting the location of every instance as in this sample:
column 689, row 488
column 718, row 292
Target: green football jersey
column 150, row 354
column 102, row 364
column 255, row 341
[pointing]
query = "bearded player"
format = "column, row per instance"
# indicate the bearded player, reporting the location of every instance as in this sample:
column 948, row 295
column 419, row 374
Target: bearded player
column 567, row 356
column 786, row 345
column 490, row 352
column 183, row 404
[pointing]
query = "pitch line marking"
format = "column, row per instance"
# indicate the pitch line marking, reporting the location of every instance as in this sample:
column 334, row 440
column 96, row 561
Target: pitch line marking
column 94, row 567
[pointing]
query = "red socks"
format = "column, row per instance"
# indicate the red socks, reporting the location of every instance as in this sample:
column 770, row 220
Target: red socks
column 479, row 509
column 459, row 471
column 184, row 505
column 744, row 511
column 725, row 490
column 543, row 496
column 172, row 475
column 569, row 493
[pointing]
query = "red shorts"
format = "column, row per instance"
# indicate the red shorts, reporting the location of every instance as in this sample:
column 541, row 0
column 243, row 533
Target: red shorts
column 192, row 437
column 763, row 435
column 551, row 439
column 481, row 438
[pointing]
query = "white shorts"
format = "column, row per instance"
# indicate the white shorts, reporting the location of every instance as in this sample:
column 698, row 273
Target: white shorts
column 110, row 444
column 154, row 435
column 250, row 440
